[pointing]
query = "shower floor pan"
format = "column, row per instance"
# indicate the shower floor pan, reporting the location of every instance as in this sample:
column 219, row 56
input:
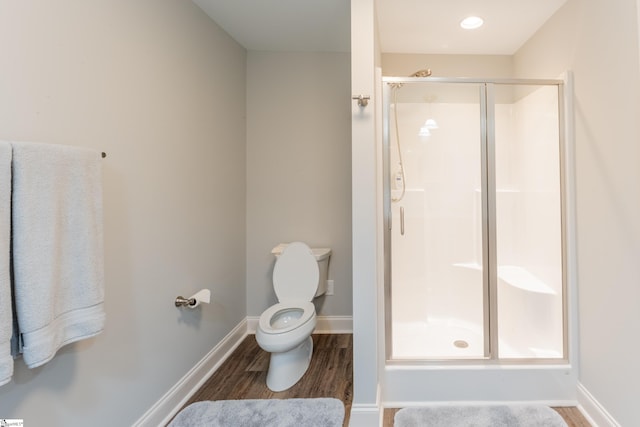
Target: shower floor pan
column 438, row 340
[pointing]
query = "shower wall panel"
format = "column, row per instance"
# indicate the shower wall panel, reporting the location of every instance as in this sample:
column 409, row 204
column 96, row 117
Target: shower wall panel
column 528, row 216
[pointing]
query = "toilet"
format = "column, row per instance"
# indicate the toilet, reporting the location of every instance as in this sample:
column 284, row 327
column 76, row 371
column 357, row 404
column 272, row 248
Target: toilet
column 284, row 329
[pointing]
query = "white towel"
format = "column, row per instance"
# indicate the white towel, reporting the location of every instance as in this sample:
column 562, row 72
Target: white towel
column 58, row 261
column 6, row 317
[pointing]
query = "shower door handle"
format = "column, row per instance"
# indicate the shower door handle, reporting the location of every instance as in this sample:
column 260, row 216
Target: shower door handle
column 401, row 221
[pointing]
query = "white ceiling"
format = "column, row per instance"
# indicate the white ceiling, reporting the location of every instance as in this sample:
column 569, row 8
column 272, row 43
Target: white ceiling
column 405, row 26
column 433, row 26
column 284, row 25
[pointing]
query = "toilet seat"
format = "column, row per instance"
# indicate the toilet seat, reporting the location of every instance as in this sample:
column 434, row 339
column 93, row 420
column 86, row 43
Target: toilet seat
column 265, row 322
column 296, row 274
column 295, row 280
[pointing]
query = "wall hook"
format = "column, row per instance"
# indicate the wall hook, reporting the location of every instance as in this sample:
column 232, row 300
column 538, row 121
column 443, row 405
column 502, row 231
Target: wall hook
column 363, row 100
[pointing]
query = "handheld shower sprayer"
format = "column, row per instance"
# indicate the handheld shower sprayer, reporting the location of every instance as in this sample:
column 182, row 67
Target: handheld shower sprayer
column 400, row 177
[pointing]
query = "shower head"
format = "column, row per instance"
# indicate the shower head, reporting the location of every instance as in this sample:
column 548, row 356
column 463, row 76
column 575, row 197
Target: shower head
column 422, row 73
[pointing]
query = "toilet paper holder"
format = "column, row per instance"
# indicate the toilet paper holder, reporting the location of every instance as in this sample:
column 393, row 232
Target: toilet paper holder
column 184, row 302
column 203, row 296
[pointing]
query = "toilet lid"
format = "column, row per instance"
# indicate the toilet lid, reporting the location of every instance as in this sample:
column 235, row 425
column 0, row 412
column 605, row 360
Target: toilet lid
column 295, row 275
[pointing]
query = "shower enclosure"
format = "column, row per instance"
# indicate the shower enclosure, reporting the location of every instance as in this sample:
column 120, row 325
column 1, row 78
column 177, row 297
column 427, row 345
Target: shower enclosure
column 474, row 221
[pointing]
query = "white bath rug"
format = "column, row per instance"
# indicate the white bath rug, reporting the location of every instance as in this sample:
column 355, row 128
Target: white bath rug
column 320, row 412
column 479, row 416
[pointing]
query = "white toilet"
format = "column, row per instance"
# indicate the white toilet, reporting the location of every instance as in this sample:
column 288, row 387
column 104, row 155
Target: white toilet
column 284, row 329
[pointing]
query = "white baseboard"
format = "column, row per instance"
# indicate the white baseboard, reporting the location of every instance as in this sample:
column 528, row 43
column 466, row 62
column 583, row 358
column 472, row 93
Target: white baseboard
column 365, row 415
column 164, row 409
column 325, row 325
column 592, row 410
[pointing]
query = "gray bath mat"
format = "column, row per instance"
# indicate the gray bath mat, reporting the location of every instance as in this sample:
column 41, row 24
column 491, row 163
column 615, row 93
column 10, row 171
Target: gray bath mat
column 479, row 416
column 322, row 412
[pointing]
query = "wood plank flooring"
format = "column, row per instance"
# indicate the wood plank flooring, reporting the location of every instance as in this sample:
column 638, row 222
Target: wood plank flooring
column 244, row 376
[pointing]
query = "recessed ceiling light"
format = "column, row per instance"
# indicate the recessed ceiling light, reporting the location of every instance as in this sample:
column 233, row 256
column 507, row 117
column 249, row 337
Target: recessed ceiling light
column 471, row 22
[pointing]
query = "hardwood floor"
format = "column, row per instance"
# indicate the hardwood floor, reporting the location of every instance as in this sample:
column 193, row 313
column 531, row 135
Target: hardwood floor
column 573, row 417
column 244, row 376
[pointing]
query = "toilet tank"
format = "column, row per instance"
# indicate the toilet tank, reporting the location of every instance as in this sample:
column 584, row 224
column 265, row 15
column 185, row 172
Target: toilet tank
column 322, row 257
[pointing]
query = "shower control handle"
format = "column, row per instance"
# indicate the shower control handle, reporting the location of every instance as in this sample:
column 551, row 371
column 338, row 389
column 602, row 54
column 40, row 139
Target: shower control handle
column 401, row 221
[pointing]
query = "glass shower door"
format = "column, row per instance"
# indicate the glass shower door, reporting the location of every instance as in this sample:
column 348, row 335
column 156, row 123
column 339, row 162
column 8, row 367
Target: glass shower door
column 438, row 204
column 475, row 206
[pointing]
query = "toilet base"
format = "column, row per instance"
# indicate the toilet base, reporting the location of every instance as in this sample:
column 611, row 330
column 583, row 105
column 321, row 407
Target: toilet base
column 286, row 368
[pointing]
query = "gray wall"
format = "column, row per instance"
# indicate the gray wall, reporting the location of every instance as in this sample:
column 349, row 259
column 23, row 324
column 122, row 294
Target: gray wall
column 298, row 167
column 598, row 41
column 161, row 89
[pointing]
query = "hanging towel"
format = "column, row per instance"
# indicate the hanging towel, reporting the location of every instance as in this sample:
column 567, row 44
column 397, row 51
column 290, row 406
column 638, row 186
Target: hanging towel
column 57, row 247
column 6, row 316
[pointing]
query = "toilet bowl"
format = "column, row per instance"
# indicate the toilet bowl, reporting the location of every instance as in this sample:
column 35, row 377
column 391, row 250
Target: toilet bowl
column 285, row 329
